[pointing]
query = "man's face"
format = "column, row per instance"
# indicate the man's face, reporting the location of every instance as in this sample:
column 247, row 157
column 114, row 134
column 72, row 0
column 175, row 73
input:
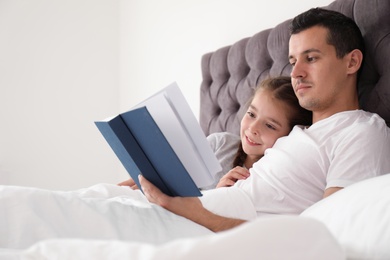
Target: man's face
column 318, row 76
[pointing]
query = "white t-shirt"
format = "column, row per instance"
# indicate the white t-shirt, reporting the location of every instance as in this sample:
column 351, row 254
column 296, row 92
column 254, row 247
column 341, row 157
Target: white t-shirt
column 335, row 152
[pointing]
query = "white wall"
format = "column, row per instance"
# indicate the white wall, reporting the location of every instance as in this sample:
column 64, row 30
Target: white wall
column 59, row 71
column 165, row 43
column 66, row 63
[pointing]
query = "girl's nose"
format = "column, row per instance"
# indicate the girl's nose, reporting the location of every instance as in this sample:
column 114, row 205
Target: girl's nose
column 254, row 128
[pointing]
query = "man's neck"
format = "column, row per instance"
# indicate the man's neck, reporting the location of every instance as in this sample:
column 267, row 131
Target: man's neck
column 346, row 101
column 320, row 115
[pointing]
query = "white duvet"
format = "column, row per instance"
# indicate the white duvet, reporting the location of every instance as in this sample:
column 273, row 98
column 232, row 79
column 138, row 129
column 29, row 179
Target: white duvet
column 111, row 222
column 102, row 211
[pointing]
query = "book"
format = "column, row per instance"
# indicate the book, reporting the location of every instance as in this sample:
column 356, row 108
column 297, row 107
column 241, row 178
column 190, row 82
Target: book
column 161, row 139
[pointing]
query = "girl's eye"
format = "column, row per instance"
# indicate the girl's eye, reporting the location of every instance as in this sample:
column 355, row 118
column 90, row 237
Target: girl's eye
column 250, row 114
column 270, row 126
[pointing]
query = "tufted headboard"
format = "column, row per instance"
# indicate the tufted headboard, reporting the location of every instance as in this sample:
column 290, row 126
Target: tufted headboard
column 230, row 74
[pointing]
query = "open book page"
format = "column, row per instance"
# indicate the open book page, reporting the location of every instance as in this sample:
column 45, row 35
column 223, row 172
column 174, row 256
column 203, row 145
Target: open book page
column 177, row 122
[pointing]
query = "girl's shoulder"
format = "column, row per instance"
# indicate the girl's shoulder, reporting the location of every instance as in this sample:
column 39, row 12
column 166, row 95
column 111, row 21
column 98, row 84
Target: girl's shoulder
column 223, row 139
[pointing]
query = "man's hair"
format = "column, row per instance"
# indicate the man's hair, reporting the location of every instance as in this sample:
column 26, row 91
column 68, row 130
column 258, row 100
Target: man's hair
column 343, row 32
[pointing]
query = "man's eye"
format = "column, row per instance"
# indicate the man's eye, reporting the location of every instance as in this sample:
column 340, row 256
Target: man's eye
column 311, row 59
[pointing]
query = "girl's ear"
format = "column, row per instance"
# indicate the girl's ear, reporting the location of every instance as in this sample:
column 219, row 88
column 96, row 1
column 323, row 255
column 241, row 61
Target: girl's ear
column 355, row 59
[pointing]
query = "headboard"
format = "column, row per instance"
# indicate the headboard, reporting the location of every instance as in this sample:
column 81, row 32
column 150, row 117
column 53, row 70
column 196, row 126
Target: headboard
column 230, row 74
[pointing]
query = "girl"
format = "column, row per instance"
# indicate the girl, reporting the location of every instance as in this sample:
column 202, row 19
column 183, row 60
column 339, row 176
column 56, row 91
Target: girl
column 272, row 113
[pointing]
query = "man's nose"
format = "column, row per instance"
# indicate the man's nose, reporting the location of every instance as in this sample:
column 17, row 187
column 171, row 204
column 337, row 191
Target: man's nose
column 297, row 71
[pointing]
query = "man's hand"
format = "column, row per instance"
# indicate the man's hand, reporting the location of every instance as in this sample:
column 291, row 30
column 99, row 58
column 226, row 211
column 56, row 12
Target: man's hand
column 130, row 182
column 188, row 207
column 235, row 174
column 183, row 206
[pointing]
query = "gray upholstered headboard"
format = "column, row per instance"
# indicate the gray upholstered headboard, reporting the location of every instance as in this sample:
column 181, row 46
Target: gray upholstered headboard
column 231, row 73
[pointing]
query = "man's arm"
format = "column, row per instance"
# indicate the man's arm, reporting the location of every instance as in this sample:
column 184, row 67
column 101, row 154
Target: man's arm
column 188, row 207
column 331, row 190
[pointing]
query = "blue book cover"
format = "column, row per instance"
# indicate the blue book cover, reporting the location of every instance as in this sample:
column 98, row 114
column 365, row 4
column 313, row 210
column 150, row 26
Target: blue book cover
column 142, row 148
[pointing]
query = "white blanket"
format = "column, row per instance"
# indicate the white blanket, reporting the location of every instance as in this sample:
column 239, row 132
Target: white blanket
column 292, row 238
column 103, row 211
column 112, row 222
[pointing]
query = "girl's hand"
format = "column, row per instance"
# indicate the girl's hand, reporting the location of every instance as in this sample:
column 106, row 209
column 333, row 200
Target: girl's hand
column 235, row 174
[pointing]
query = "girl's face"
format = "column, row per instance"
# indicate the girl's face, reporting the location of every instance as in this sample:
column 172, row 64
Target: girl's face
column 265, row 121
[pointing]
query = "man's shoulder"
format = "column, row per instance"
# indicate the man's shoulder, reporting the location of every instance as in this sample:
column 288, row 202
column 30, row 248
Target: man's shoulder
column 364, row 124
column 368, row 120
column 355, row 119
column 349, row 125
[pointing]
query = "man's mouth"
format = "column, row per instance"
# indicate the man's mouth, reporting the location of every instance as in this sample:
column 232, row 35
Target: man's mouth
column 299, row 86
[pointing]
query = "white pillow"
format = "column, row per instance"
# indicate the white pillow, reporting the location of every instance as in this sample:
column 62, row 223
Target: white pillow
column 359, row 217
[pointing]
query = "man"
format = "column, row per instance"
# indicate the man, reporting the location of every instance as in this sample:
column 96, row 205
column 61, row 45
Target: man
column 326, row 53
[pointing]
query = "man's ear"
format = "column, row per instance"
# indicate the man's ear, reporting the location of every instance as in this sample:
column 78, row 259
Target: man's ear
column 355, row 59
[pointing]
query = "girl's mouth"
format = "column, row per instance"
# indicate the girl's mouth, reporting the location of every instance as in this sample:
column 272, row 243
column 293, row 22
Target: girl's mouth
column 250, row 141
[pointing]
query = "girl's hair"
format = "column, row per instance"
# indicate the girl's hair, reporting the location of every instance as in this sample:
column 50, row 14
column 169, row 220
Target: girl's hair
column 281, row 89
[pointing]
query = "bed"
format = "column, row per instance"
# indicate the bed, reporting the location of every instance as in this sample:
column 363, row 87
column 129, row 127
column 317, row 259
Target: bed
column 354, row 223
column 357, row 218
